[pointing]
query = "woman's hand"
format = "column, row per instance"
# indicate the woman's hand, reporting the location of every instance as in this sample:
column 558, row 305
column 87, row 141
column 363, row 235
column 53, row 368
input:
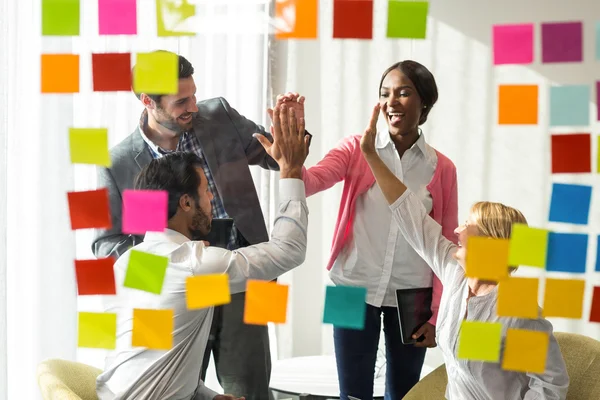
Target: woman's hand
column 367, row 142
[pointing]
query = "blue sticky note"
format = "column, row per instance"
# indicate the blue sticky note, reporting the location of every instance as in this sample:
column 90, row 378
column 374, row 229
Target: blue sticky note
column 598, row 41
column 567, row 252
column 598, row 255
column 570, row 203
column 570, row 105
column 345, row 307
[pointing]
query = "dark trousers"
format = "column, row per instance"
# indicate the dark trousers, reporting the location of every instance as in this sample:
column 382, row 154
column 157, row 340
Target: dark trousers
column 356, row 354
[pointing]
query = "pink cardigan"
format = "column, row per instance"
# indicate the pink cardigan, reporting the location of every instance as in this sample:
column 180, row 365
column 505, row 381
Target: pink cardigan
column 346, row 162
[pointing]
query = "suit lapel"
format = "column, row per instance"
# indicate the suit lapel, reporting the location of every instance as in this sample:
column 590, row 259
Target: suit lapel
column 141, row 155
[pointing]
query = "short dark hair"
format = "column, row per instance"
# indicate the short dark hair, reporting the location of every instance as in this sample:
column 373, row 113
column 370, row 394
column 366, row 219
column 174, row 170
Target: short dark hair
column 175, row 173
column 423, row 80
column 186, row 69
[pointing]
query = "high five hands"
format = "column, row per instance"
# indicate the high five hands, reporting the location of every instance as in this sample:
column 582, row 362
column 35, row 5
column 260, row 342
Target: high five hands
column 291, row 99
column 367, row 142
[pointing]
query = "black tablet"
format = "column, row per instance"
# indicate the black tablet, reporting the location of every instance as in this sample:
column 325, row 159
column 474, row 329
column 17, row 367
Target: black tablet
column 414, row 309
column 220, row 232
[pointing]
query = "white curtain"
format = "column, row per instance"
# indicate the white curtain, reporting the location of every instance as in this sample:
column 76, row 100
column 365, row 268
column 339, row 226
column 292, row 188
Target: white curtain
column 509, row 164
column 38, row 295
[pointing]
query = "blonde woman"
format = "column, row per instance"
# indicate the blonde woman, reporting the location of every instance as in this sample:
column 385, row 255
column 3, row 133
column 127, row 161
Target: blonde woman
column 466, row 298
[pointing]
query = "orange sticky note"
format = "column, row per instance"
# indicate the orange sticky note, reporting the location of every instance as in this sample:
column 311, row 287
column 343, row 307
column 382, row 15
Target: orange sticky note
column 487, row 258
column 518, row 104
column 97, row 330
column 60, row 73
column 265, row 302
column 564, row 298
column 525, row 351
column 152, row 329
column 207, row 291
column 296, row 19
column 517, row 297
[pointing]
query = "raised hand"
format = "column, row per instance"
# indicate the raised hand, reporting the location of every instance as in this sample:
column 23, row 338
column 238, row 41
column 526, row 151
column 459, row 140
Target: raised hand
column 367, row 142
column 292, row 100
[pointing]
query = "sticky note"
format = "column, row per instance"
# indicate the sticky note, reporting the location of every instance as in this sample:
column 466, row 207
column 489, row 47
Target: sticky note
column 207, row 290
column 89, row 209
column 60, row 17
column 563, row 298
column 517, row 297
column 296, row 19
column 518, row 104
column 117, row 17
column 598, row 255
column 598, row 41
column 571, row 153
column 562, row 42
column 595, row 310
column 95, row 276
column 89, row 146
column 480, row 341
column 567, row 252
column 528, row 246
column 598, row 150
column 144, row 211
column 570, row 105
column 60, row 73
column 570, row 203
column 487, row 258
column 513, row 44
column 174, row 17
column 97, row 330
column 525, row 351
column 352, row 19
column 146, row 271
column 111, row 72
column 345, row 306
column 407, row 19
column 265, row 302
column 156, row 73
column 152, row 329
column 598, row 101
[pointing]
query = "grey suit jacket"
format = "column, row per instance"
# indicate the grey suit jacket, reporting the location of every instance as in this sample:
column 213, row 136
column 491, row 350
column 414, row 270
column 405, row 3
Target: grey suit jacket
column 229, row 148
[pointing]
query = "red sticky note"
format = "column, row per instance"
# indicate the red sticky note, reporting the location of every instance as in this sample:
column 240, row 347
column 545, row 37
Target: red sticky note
column 144, row 211
column 111, row 72
column 571, row 153
column 60, row 73
column 95, row 276
column 353, row 19
column 89, row 209
column 595, row 313
column 117, row 17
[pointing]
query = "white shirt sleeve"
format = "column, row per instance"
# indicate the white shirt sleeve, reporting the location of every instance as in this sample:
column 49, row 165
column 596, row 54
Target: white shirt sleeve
column 265, row 261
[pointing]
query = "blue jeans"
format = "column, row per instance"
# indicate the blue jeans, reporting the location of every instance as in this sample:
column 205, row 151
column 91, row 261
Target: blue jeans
column 356, row 353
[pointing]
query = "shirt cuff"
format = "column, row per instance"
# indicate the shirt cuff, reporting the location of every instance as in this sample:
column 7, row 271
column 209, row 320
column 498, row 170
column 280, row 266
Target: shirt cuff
column 292, row 189
column 400, row 199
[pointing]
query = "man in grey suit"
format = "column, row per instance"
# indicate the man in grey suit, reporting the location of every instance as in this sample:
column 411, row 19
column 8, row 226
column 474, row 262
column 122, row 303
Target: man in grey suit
column 223, row 140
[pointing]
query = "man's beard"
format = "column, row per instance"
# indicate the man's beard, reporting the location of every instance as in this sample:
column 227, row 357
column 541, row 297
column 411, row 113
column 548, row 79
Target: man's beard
column 171, row 123
column 201, row 224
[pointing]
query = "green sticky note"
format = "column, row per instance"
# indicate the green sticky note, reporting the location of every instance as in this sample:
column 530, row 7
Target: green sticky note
column 345, row 307
column 89, row 146
column 407, row 19
column 60, row 17
column 146, row 271
column 97, row 330
column 173, row 17
column 528, row 246
column 480, row 341
column 156, row 73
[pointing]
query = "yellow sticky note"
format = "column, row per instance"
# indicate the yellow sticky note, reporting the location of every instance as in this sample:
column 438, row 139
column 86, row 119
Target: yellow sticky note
column 528, row 246
column 156, row 73
column 487, row 258
column 97, row 330
column 152, row 329
column 564, row 298
column 598, row 142
column 480, row 341
column 265, row 302
column 525, row 351
column 517, row 297
column 89, row 146
column 175, row 17
column 207, row 291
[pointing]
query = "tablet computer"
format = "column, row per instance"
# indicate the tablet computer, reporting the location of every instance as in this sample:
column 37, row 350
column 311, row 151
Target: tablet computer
column 414, row 309
column 220, row 232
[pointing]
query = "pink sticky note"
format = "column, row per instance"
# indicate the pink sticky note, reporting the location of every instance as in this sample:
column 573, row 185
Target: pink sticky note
column 513, row 44
column 117, row 17
column 144, row 210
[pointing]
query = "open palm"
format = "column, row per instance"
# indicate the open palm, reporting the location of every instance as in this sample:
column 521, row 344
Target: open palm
column 367, row 142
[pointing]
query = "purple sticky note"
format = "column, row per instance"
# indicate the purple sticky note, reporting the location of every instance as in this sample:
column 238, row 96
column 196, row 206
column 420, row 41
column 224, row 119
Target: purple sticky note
column 562, row 42
column 513, row 44
column 144, row 210
column 117, row 17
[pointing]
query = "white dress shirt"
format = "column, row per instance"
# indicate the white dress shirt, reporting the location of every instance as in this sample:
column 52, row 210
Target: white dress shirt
column 475, row 380
column 140, row 373
column 378, row 257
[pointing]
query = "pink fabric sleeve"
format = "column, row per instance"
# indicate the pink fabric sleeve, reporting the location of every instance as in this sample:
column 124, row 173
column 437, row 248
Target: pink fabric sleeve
column 330, row 170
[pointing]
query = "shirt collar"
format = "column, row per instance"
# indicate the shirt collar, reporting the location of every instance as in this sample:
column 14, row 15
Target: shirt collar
column 383, row 140
column 168, row 235
column 153, row 147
